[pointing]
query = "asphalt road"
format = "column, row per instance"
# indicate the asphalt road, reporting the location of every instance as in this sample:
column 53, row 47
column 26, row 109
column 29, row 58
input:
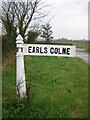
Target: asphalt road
column 84, row 56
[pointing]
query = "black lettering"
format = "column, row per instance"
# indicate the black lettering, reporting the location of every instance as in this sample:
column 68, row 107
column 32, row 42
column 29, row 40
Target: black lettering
column 59, row 51
column 37, row 49
column 64, row 51
column 56, row 50
column 29, row 49
column 45, row 50
column 33, row 50
column 68, row 51
column 51, row 50
column 41, row 50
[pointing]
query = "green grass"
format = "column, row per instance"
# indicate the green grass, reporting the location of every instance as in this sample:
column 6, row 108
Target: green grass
column 58, row 89
column 81, row 44
column 78, row 44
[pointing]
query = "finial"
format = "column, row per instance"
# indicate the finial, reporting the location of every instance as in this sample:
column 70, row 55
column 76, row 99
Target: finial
column 19, row 39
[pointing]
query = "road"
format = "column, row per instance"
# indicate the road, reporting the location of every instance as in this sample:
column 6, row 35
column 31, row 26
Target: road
column 84, row 56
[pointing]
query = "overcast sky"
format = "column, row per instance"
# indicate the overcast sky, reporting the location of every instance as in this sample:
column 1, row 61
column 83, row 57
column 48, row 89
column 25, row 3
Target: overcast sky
column 70, row 18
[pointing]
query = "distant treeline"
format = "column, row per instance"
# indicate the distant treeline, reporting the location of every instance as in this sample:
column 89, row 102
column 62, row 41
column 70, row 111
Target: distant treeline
column 66, row 39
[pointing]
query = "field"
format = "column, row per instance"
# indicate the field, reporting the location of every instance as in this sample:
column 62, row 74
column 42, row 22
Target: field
column 57, row 88
column 78, row 44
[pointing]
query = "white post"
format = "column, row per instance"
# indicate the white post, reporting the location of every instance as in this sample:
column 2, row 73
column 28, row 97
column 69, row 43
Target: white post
column 20, row 73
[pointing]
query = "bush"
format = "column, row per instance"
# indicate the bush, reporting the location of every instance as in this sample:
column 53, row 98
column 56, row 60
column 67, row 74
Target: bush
column 32, row 35
column 7, row 43
column 8, row 47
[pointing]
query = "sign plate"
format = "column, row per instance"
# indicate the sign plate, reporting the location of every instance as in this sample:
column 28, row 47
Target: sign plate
column 49, row 50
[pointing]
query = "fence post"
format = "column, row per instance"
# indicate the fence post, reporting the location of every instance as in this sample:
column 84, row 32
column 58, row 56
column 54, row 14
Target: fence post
column 20, row 72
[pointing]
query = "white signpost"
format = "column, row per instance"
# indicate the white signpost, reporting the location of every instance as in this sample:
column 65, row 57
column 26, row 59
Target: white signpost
column 38, row 50
column 20, row 72
column 49, row 50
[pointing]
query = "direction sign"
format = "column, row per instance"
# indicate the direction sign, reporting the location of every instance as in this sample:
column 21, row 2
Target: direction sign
column 49, row 50
column 36, row 49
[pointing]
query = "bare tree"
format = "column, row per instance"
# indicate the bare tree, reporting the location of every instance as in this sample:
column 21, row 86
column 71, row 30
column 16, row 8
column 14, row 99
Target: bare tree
column 22, row 15
column 8, row 18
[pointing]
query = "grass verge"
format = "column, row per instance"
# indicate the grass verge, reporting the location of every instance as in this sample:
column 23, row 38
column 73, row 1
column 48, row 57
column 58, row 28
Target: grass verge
column 58, row 89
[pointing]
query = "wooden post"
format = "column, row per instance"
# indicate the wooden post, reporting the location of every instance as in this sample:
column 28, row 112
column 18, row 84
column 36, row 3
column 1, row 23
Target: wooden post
column 20, row 72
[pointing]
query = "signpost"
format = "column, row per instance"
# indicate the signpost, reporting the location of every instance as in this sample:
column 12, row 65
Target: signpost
column 38, row 50
column 49, row 50
column 20, row 73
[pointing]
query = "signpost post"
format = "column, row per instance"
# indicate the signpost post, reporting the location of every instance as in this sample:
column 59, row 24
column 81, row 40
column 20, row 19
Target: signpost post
column 38, row 50
column 20, row 73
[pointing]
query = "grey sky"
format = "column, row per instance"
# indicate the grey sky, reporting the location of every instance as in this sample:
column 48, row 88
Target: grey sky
column 71, row 18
